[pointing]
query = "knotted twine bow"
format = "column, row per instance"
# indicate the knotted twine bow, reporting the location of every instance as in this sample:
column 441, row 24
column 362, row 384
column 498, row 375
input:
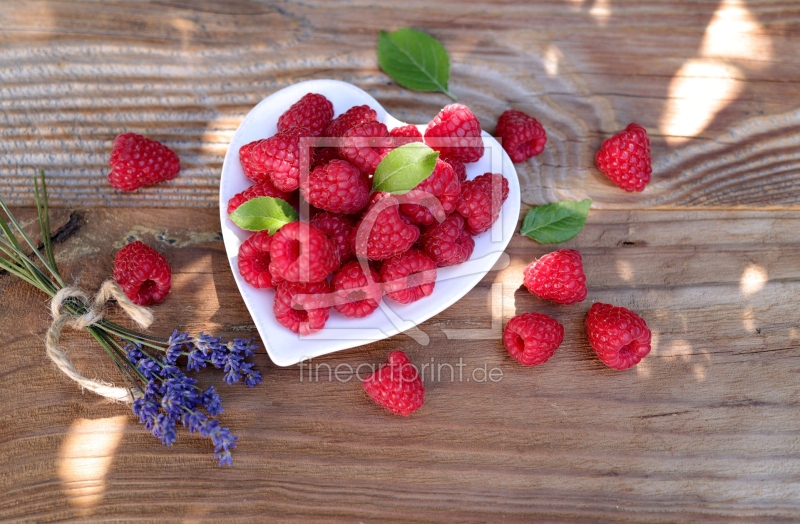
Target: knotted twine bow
column 94, row 313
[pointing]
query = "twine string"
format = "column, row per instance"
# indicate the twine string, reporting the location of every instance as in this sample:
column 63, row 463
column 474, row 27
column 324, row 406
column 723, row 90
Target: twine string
column 95, row 308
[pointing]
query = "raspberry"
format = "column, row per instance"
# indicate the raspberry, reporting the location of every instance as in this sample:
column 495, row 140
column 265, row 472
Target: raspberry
column 323, row 155
column 447, row 243
column 405, row 135
column 481, row 200
column 456, row 133
column 408, row 276
column 523, row 136
column 313, row 111
column 313, row 312
column 442, row 184
column 619, row 336
column 278, row 158
column 254, row 260
column 532, row 338
column 357, row 295
column 557, row 276
column 137, row 162
column 264, row 188
column 143, row 273
column 352, row 117
column 625, row 158
column 302, row 253
column 396, row 385
column 365, row 145
column 338, row 228
column 459, row 168
column 337, row 187
column 383, row 232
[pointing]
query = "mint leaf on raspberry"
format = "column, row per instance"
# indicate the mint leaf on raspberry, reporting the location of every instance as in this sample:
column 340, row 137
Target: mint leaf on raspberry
column 415, row 60
column 556, row 222
column 404, row 168
column 263, row 213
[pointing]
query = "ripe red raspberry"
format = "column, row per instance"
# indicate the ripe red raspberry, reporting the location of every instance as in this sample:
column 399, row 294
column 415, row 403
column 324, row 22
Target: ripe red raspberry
column 523, row 136
column 302, row 253
column 443, row 185
column 619, row 336
column 396, row 385
column 323, row 155
column 408, row 276
column 383, row 232
column 338, row 228
column 459, row 168
column 137, row 162
column 357, row 295
column 365, row 145
column 352, row 117
column 254, row 260
column 481, row 201
column 279, row 158
column 456, row 133
column 313, row 111
column 264, row 188
column 447, row 243
column 557, row 276
column 143, row 273
column 532, row 338
column 313, row 312
column 405, row 135
column 337, row 187
column 625, row 158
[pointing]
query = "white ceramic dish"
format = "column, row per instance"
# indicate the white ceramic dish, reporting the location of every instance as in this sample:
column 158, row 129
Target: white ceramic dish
column 286, row 348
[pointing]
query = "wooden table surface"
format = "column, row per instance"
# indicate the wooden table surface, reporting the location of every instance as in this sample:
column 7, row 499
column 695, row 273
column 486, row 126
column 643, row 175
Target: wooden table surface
column 706, row 428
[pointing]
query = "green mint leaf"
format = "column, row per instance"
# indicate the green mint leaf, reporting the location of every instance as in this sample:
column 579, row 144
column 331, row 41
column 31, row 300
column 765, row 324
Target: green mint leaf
column 557, row 222
column 263, row 213
column 404, row 168
column 415, row 60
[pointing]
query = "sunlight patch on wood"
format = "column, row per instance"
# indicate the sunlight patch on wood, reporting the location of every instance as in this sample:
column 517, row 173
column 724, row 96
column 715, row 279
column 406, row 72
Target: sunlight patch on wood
column 734, row 33
column 753, row 280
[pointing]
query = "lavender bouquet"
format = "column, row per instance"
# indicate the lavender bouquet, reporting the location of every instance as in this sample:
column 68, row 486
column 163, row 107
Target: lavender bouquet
column 161, row 393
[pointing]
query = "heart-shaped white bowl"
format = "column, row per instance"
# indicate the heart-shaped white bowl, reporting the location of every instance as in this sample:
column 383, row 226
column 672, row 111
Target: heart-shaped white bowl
column 286, row 348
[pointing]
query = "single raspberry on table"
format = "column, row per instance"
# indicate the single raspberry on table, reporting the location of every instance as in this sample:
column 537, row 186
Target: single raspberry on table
column 456, row 133
column 557, row 276
column 313, row 111
column 300, row 252
column 625, row 158
column 459, row 168
column 279, row 158
column 254, row 260
column 261, row 189
column 143, row 273
column 523, row 136
column 396, row 385
column 405, row 135
column 619, row 336
column 137, row 162
column 448, row 243
column 357, row 294
column 337, row 187
column 442, row 187
column 338, row 228
column 383, row 232
column 365, row 145
column 408, row 276
column 352, row 117
column 303, row 316
column 481, row 201
column 532, row 338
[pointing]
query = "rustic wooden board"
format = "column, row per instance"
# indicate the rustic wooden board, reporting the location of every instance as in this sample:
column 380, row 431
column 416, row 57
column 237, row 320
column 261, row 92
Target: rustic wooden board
column 706, row 428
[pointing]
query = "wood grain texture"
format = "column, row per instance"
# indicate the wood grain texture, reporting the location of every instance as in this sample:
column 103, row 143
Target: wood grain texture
column 714, row 81
column 705, row 428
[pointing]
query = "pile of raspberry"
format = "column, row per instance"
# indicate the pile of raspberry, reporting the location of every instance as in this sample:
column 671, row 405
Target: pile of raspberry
column 357, row 245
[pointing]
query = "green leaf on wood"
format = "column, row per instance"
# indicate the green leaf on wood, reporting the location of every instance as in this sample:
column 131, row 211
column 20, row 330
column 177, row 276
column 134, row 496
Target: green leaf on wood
column 415, row 60
column 404, row 168
column 556, row 222
column 263, row 213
